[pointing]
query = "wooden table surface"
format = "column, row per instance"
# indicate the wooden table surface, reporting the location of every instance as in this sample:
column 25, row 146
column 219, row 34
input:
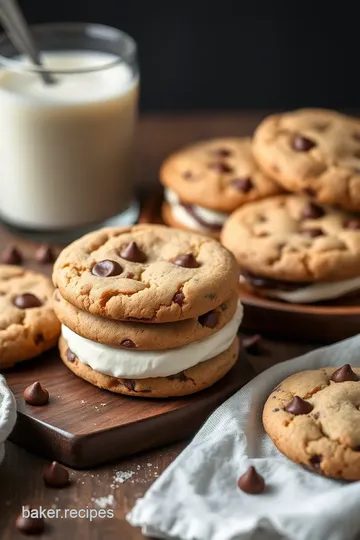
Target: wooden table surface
column 21, row 473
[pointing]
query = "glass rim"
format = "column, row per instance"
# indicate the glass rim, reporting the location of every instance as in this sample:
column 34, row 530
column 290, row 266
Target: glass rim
column 94, row 30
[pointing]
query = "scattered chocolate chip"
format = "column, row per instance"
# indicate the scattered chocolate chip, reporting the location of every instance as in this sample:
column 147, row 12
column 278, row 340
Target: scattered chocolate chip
column 27, row 301
column 221, row 167
column 187, row 175
column 316, row 416
column 129, row 384
column 242, row 184
column 11, row 255
column 36, row 395
column 209, row 319
column 312, row 233
column 251, row 482
column 187, row 261
column 276, row 409
column 312, row 211
column 302, row 144
column 56, row 476
column 315, row 461
column 45, row 255
column 310, row 192
column 298, row 406
column 222, row 152
column 353, row 224
column 29, row 525
column 70, row 356
column 133, row 253
column 179, row 298
column 345, row 373
column 39, row 338
column 128, row 344
column 106, row 268
column 253, row 344
column 179, row 376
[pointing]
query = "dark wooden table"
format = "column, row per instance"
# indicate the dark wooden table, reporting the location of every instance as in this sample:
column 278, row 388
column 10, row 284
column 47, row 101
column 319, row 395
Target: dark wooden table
column 21, row 472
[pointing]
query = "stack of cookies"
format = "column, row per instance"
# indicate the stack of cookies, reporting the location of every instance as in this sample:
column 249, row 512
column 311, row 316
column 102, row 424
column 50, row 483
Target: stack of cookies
column 148, row 310
column 207, row 181
column 304, row 246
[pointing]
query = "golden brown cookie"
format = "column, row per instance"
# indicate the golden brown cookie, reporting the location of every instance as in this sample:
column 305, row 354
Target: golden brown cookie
column 314, row 152
column 143, row 336
column 192, row 380
column 146, row 273
column 313, row 418
column 290, row 238
column 28, row 324
column 218, row 174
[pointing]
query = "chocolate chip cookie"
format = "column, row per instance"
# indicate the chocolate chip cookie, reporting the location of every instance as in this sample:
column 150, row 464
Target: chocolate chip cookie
column 28, row 324
column 189, row 381
column 208, row 180
column 313, row 418
column 314, row 152
column 146, row 273
column 143, row 336
column 289, row 238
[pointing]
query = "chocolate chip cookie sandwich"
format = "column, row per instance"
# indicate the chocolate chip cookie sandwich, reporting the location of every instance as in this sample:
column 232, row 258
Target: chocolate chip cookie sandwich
column 313, row 418
column 292, row 249
column 205, row 182
column 314, row 152
column 28, row 324
column 148, row 310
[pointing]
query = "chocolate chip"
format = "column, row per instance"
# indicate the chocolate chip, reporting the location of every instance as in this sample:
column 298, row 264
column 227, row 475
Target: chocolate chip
column 222, row 152
column 302, row 144
column 178, row 376
column 11, row 255
column 70, row 356
column 106, row 268
column 315, row 461
column 129, row 384
column 36, row 395
column 312, row 211
column 221, row 167
column 133, row 253
column 27, row 301
column 253, row 344
column 29, row 525
column 179, row 298
column 187, row 261
column 209, row 319
column 251, row 482
column 39, row 338
column 316, row 416
column 353, row 224
column 276, row 409
column 242, row 184
column 128, row 344
column 56, row 476
column 187, row 175
column 45, row 255
column 312, row 233
column 298, row 406
column 345, row 373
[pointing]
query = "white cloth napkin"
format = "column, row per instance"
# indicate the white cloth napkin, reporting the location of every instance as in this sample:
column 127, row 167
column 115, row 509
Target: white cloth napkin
column 197, row 497
column 7, row 414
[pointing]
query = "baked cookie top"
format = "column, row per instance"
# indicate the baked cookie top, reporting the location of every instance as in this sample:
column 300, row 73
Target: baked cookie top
column 146, row 273
column 290, row 238
column 219, row 174
column 313, row 418
column 28, row 324
column 143, row 336
column 313, row 151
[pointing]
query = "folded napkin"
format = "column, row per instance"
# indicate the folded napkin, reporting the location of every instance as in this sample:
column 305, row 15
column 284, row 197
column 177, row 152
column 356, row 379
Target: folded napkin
column 7, row 414
column 197, row 497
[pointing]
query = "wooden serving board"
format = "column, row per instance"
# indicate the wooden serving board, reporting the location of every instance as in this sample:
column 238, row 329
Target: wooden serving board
column 84, row 426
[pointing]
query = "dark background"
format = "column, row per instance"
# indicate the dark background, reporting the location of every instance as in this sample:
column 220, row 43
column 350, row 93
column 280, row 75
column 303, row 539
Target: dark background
column 231, row 55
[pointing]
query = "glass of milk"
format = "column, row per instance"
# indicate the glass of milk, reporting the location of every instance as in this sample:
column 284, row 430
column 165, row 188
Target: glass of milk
column 67, row 149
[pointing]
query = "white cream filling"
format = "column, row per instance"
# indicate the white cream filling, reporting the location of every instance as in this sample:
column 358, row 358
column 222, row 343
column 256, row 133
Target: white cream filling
column 181, row 215
column 316, row 291
column 133, row 364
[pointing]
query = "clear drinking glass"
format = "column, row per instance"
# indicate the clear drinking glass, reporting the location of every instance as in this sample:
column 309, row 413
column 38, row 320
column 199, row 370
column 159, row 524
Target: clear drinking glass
column 67, row 149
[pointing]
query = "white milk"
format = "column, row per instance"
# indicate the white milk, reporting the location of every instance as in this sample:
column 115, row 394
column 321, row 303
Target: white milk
column 66, row 150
